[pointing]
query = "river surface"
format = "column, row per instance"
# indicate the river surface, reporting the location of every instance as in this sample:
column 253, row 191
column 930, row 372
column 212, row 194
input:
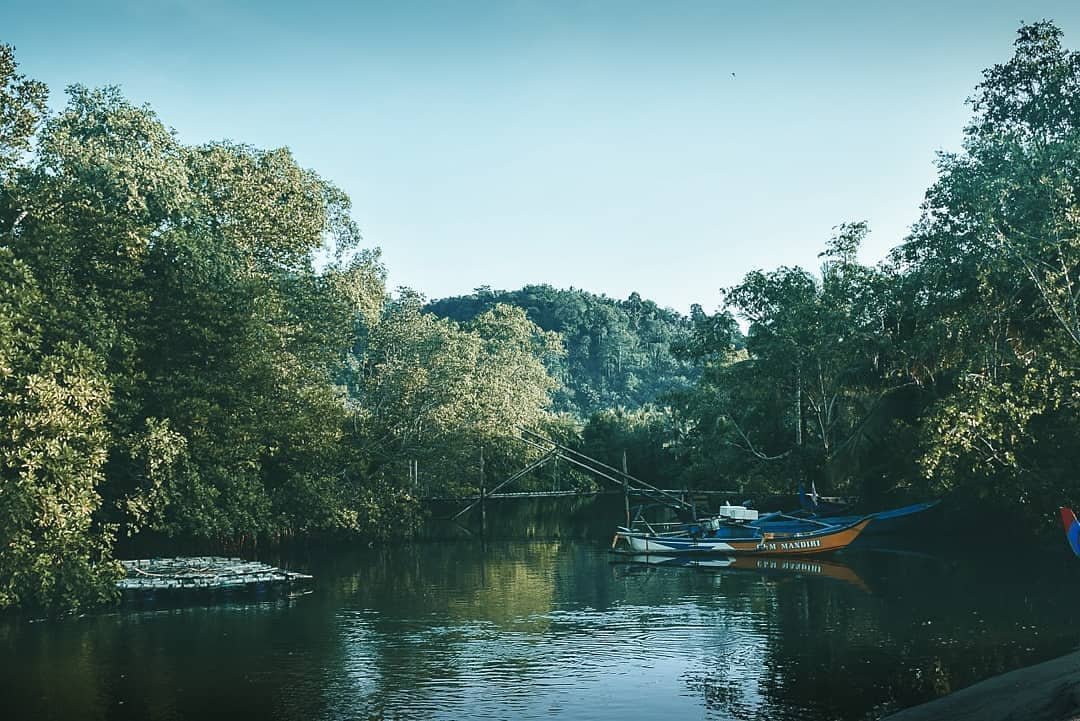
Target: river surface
column 558, row 628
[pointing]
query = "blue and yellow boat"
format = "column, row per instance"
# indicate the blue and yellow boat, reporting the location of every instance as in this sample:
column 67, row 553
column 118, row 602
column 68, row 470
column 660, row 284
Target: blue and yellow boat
column 740, row 540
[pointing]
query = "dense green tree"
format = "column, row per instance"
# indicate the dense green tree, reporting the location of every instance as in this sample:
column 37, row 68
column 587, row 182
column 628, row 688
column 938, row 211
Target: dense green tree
column 53, row 400
column 995, row 259
column 22, row 106
column 433, row 393
column 190, row 271
column 52, row 412
column 805, row 400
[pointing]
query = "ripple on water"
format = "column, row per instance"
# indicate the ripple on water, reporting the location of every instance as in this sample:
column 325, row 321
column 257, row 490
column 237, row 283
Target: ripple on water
column 494, row 671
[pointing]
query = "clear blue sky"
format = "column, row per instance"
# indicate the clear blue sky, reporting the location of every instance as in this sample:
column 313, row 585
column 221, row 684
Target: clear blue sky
column 601, row 145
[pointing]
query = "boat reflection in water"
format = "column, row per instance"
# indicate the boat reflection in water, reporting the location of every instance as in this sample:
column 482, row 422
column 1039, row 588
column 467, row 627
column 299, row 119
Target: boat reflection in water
column 765, row 566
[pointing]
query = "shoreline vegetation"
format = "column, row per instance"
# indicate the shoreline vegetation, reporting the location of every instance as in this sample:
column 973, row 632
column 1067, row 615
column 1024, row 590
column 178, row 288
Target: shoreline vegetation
column 175, row 362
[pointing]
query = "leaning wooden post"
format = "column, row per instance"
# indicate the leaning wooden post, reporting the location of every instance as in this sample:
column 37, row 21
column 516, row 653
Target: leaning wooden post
column 483, row 496
column 626, row 488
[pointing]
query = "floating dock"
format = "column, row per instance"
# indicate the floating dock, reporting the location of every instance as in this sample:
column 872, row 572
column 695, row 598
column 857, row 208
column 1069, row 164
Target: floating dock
column 206, row 574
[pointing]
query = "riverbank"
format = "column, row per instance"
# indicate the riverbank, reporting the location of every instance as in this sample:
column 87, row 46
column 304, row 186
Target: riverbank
column 1049, row 691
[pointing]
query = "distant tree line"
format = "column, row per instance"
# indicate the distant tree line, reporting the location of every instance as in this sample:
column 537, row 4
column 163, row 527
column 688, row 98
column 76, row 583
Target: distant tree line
column 618, row 352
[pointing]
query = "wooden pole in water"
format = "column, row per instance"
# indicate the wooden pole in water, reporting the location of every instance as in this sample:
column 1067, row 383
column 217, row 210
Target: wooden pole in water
column 626, row 488
column 483, row 496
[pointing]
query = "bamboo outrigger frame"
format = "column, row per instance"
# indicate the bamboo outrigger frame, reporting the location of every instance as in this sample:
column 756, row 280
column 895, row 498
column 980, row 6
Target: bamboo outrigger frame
column 554, row 451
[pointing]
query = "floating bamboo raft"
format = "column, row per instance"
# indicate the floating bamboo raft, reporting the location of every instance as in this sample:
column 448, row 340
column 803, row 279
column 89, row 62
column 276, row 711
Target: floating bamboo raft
column 204, row 573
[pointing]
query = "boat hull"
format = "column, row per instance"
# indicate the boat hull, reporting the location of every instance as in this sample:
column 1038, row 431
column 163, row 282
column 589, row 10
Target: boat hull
column 764, row 544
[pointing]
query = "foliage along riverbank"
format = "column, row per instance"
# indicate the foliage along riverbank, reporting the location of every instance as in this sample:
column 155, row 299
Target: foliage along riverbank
column 173, row 359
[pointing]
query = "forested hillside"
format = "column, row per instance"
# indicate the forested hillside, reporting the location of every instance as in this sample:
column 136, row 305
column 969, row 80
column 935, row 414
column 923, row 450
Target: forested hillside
column 618, row 352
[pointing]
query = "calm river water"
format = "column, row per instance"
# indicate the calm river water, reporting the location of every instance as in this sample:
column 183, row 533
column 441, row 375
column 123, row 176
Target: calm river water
column 544, row 629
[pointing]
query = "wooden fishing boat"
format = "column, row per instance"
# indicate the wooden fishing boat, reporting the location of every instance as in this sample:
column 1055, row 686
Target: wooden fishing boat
column 751, row 541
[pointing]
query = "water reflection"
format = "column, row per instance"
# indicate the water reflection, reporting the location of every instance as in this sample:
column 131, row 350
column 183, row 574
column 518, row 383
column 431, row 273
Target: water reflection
column 764, row 566
column 523, row 630
column 215, row 661
column 534, row 630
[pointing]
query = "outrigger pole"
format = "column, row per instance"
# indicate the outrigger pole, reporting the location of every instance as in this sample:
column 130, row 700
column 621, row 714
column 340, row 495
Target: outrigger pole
column 553, row 450
column 594, row 466
column 531, row 467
